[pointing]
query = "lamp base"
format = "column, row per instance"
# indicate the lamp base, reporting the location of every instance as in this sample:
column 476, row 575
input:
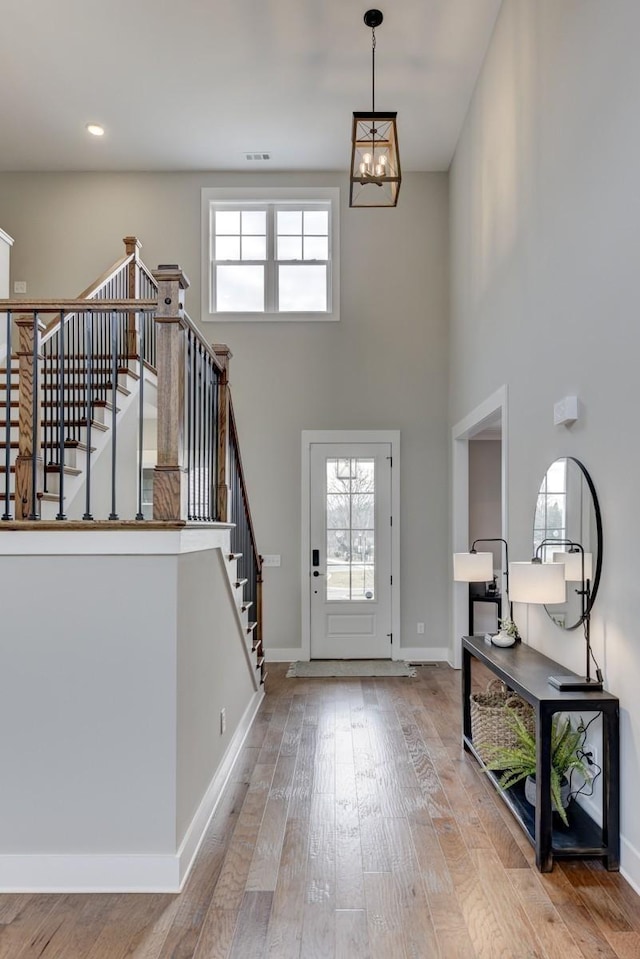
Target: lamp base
column 575, row 684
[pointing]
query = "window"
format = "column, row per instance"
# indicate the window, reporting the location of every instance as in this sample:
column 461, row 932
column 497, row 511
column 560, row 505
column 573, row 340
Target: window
column 350, row 547
column 270, row 254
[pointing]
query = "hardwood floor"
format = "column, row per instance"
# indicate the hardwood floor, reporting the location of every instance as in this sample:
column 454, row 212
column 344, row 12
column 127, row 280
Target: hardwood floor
column 354, row 827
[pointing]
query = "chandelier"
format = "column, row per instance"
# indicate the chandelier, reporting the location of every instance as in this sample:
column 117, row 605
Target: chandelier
column 375, row 161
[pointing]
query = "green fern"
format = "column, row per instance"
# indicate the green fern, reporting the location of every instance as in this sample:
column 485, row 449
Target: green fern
column 517, row 762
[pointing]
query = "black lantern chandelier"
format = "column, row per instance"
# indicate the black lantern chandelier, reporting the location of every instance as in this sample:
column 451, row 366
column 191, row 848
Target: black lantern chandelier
column 375, row 161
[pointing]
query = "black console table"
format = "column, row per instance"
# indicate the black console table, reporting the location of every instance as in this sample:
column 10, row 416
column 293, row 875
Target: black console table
column 526, row 671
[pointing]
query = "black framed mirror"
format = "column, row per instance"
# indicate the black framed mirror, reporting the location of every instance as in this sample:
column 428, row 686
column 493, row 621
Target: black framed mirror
column 567, row 508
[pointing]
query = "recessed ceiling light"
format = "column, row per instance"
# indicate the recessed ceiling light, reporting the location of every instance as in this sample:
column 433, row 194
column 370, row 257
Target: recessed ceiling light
column 95, row 129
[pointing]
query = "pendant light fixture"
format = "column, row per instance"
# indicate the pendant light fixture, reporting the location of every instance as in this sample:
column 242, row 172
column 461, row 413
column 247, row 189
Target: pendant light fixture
column 375, row 161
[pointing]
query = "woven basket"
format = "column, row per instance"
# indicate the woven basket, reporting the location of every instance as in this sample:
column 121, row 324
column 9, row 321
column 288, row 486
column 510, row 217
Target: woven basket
column 490, row 728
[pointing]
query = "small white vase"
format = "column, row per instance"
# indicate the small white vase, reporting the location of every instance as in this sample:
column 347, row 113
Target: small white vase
column 503, row 639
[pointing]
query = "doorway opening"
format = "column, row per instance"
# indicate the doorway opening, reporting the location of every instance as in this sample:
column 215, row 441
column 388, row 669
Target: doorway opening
column 479, row 509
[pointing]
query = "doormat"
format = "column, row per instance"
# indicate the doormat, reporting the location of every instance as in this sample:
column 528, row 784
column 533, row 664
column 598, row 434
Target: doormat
column 350, row 667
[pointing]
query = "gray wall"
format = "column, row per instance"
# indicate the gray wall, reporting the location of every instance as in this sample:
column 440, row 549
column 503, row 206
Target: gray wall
column 545, row 210
column 87, row 705
column 384, row 365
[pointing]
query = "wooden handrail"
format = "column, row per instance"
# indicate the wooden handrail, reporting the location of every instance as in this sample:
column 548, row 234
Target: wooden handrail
column 198, row 335
column 75, row 305
column 94, row 288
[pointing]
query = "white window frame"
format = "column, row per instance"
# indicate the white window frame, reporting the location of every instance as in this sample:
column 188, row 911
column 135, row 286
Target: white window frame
column 256, row 198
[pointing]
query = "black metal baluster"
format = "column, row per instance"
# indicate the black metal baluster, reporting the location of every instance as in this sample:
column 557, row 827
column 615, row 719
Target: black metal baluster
column 200, row 430
column 7, row 430
column 88, row 373
column 47, row 393
column 189, row 418
column 114, row 379
column 216, row 398
column 140, row 325
column 194, row 415
column 34, row 419
column 210, row 432
column 61, row 417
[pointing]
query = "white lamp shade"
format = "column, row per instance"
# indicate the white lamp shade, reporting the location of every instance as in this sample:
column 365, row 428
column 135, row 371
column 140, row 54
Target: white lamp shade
column 537, row 583
column 573, row 566
column 473, row 567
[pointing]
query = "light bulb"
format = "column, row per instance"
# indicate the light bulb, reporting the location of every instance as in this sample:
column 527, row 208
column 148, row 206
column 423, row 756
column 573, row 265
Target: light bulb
column 367, row 158
column 383, row 159
column 363, row 168
column 379, row 169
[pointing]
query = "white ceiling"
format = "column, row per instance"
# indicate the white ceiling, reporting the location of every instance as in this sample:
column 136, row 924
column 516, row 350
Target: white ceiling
column 193, row 85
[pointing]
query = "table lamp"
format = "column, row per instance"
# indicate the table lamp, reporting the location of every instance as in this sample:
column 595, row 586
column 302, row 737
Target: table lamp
column 545, row 583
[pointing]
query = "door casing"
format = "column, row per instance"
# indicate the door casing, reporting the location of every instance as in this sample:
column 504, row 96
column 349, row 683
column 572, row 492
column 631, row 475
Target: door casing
column 309, row 437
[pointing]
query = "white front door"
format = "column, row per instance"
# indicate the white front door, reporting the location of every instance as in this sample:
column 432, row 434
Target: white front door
column 350, row 555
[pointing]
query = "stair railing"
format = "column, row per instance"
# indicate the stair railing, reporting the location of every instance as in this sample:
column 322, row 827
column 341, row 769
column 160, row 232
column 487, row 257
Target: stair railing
column 243, row 537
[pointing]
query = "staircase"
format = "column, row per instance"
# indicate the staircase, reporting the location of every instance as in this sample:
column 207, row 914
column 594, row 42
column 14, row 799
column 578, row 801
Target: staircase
column 112, row 383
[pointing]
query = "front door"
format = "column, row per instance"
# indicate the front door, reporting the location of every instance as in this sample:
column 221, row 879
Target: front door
column 350, row 555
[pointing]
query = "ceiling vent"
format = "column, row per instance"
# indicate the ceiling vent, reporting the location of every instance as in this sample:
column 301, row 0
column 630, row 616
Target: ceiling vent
column 257, row 156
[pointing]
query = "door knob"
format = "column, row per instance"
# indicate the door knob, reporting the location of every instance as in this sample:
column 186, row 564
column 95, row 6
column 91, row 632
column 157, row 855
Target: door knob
column 316, row 573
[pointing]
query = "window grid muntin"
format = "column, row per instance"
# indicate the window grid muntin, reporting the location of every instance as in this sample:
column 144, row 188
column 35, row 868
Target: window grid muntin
column 364, row 571
column 549, row 499
column 271, row 264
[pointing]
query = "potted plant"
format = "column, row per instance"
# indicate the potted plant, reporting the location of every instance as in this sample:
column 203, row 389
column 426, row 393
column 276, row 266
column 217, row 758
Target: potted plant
column 519, row 762
column 508, row 633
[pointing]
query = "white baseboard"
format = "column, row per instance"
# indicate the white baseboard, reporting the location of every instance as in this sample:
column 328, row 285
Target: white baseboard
column 87, row 873
column 630, row 864
column 424, row 654
column 127, row 873
column 287, row 655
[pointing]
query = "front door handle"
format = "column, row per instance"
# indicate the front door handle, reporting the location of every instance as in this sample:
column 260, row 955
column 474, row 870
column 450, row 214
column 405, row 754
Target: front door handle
column 316, row 573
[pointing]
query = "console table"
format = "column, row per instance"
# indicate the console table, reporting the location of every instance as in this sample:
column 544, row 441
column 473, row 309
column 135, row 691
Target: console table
column 526, row 671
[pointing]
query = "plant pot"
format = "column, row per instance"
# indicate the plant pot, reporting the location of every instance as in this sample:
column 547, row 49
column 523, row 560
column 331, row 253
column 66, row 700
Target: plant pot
column 530, row 792
column 503, row 639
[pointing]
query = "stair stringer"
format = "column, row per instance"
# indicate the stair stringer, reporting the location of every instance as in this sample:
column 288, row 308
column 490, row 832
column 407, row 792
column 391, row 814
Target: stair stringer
column 237, row 598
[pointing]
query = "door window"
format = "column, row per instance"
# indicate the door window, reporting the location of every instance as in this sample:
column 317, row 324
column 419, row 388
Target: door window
column 350, row 546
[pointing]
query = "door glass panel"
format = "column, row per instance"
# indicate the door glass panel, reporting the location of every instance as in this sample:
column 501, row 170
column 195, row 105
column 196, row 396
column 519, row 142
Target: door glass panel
column 350, row 530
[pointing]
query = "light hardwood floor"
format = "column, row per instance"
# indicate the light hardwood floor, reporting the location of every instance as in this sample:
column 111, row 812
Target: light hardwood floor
column 354, row 827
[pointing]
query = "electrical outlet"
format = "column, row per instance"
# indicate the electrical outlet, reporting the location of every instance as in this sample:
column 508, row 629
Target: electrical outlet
column 593, row 759
column 420, row 629
column 223, row 721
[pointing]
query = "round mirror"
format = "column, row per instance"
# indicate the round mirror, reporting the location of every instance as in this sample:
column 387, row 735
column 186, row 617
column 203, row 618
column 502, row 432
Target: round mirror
column 567, row 509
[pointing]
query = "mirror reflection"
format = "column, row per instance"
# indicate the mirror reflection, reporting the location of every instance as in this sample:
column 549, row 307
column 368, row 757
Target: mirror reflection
column 567, row 508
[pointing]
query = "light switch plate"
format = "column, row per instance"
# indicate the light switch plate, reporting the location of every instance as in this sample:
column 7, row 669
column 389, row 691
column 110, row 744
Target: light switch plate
column 20, row 286
column 272, row 559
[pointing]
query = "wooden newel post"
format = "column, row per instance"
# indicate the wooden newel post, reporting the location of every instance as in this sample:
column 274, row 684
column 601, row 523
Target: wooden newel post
column 132, row 247
column 223, row 514
column 29, row 462
column 170, row 476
